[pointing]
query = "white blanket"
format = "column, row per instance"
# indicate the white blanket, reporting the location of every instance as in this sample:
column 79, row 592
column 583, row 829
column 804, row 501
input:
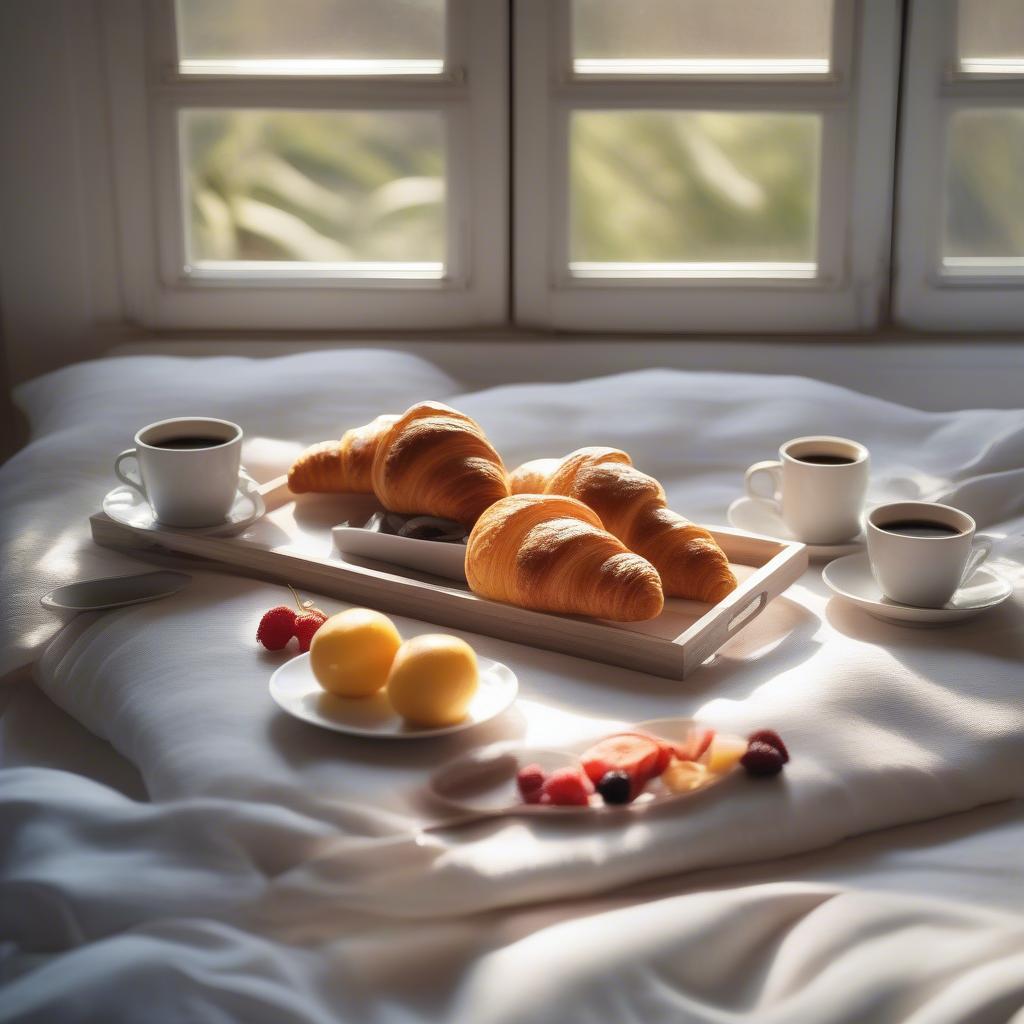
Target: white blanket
column 284, row 874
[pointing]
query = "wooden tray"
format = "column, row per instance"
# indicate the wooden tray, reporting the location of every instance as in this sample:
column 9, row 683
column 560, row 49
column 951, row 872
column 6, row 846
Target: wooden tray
column 293, row 544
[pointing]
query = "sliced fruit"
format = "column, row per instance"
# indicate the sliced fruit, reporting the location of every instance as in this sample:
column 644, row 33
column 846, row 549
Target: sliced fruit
column 684, row 776
column 693, row 750
column 638, row 755
column 724, row 752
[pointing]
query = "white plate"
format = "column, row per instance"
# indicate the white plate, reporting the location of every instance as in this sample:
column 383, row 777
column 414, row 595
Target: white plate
column 851, row 579
column 295, row 690
column 748, row 514
column 441, row 558
column 125, row 505
column 483, row 782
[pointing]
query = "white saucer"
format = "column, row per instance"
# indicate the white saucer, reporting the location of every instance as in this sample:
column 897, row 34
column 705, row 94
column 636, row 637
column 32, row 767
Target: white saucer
column 127, row 506
column 295, row 690
column 748, row 514
column 851, row 579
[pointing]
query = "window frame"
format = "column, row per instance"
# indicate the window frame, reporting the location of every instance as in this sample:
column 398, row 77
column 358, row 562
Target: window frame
column 146, row 91
column 927, row 296
column 857, row 99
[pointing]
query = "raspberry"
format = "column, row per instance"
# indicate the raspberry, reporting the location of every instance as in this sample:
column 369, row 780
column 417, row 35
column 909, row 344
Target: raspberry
column 530, row 781
column 762, row 759
column 772, row 738
column 567, row 787
column 306, row 625
column 276, row 628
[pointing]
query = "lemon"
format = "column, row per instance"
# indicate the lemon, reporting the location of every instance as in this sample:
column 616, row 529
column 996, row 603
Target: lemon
column 433, row 679
column 352, row 652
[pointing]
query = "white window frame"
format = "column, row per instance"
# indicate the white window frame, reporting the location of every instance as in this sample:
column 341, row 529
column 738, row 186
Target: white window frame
column 145, row 91
column 857, row 99
column 929, row 295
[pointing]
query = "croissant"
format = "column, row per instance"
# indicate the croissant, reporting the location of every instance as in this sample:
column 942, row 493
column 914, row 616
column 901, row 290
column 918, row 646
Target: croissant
column 339, row 467
column 432, row 460
column 632, row 506
column 552, row 554
column 436, row 461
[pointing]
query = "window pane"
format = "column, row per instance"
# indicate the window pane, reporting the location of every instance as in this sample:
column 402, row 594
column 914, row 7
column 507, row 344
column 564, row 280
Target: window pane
column 985, row 189
column 991, row 36
column 701, row 36
column 311, row 36
column 328, row 187
column 680, row 187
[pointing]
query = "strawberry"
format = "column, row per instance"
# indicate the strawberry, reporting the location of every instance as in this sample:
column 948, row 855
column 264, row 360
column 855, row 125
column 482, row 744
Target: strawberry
column 530, row 781
column 762, row 759
column 772, row 738
column 306, row 625
column 276, row 628
column 567, row 787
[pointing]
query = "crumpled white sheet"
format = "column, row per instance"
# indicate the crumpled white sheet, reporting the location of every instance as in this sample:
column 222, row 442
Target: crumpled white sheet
column 281, row 874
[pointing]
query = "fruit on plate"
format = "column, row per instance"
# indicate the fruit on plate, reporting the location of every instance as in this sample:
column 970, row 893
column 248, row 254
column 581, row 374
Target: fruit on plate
column 276, row 628
column 683, row 776
column 615, row 788
column 724, row 752
column 638, row 755
column 352, row 652
column 567, row 787
column 765, row 754
column 530, row 782
column 433, row 679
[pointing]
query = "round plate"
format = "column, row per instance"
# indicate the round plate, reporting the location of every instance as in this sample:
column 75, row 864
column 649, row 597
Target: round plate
column 295, row 690
column 484, row 780
column 125, row 505
column 851, row 579
column 755, row 517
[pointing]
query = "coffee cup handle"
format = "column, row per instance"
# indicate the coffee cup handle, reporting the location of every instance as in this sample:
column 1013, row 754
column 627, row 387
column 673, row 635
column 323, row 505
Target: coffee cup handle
column 134, row 483
column 760, row 470
column 980, row 551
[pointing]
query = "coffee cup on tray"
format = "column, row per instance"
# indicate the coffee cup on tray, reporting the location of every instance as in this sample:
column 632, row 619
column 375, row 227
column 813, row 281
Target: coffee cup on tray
column 189, row 469
column 817, row 486
column 922, row 552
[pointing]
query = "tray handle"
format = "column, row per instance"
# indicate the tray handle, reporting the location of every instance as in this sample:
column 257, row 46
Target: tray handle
column 744, row 613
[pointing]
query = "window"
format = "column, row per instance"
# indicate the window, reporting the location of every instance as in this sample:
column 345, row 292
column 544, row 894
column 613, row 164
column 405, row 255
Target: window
column 319, row 163
column 673, row 166
column 705, row 166
column 960, row 232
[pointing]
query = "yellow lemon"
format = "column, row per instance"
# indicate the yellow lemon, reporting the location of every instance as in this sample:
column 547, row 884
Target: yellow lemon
column 433, row 679
column 352, row 652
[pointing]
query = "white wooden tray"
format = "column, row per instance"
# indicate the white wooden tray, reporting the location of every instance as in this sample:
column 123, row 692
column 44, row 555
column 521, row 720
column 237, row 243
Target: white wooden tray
column 292, row 543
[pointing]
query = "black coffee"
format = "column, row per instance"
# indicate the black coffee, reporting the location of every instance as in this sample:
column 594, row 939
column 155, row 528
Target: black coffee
column 825, row 460
column 919, row 528
column 189, row 443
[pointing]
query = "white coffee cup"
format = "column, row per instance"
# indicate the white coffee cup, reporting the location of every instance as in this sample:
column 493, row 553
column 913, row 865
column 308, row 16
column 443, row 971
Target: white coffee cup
column 820, row 502
column 189, row 468
column 918, row 566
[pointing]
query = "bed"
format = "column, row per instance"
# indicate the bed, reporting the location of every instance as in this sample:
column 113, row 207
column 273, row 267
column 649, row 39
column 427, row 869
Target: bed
column 174, row 848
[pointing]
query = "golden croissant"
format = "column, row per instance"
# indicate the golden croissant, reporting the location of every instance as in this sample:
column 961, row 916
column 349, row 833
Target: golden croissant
column 632, row 506
column 552, row 554
column 340, row 467
column 432, row 460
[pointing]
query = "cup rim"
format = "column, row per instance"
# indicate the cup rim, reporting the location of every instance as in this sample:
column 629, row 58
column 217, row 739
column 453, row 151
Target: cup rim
column 861, row 457
column 921, row 509
column 237, row 435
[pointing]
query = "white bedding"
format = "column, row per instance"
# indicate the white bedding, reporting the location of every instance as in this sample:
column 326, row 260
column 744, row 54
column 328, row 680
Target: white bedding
column 282, row 874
